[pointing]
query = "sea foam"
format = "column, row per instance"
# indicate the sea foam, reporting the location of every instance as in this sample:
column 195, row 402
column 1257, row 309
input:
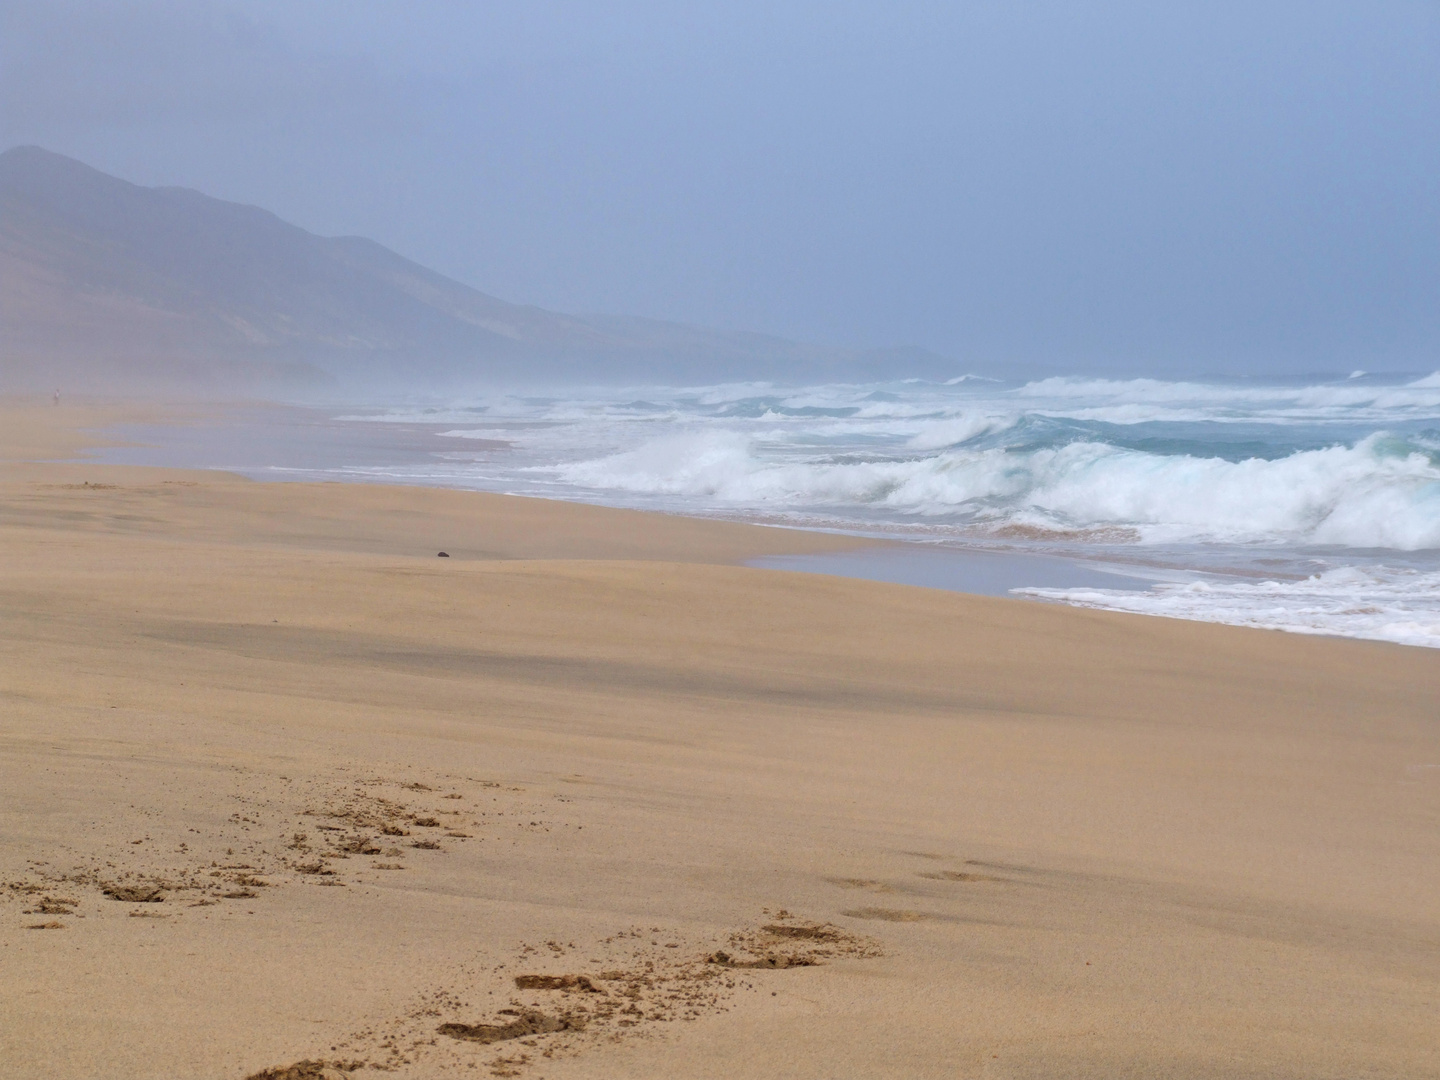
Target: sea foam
column 1380, row 603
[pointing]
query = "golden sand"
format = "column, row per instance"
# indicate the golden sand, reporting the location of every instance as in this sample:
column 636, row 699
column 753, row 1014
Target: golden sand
column 278, row 785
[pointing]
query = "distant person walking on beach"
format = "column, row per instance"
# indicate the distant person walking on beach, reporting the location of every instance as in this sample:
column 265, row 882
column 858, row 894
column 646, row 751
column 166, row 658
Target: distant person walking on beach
column 57, row 397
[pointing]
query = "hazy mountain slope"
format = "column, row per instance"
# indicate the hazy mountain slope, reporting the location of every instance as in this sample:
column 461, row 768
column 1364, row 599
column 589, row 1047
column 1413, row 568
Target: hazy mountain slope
column 111, row 283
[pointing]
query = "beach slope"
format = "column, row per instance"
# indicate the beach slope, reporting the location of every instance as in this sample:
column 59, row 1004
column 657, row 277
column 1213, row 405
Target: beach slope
column 588, row 798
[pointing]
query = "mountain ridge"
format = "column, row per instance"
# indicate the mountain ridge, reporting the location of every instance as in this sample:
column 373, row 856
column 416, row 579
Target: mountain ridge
column 114, row 284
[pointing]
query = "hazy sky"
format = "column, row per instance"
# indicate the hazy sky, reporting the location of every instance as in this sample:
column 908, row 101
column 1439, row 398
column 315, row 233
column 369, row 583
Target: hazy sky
column 1159, row 186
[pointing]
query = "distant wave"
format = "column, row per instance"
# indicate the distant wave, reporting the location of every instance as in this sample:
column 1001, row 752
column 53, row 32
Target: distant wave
column 1220, row 401
column 1130, row 401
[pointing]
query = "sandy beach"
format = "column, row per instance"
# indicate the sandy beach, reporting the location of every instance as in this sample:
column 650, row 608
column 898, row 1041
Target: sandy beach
column 588, row 798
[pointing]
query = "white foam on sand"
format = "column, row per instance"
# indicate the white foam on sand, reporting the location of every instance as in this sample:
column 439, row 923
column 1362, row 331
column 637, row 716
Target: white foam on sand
column 1378, row 603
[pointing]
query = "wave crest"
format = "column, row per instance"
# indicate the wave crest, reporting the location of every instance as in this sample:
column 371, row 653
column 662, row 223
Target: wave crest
column 1380, row 493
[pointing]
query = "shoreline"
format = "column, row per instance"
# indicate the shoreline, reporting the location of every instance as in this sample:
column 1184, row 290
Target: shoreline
column 465, row 523
column 1389, row 596
column 279, row 784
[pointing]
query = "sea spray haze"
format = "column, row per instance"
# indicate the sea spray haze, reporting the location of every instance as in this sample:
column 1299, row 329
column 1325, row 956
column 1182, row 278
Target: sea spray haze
column 1118, row 187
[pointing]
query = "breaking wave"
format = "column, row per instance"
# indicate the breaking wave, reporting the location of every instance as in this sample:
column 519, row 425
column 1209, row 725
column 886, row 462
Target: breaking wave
column 1381, row 492
column 1216, row 484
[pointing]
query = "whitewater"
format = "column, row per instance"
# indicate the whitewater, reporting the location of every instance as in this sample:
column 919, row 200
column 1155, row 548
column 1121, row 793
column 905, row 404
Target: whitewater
column 1309, row 506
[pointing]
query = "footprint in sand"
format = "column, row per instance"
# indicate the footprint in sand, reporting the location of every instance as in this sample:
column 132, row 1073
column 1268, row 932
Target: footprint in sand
column 136, row 894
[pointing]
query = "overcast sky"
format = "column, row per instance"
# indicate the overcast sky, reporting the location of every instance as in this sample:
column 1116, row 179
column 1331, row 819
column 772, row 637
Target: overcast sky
column 1161, row 186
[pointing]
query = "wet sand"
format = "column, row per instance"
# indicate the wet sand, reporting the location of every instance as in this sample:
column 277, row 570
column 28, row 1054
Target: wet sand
column 280, row 785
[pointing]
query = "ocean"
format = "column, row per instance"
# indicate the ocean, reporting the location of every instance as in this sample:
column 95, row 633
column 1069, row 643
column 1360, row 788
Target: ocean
column 1310, row 506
